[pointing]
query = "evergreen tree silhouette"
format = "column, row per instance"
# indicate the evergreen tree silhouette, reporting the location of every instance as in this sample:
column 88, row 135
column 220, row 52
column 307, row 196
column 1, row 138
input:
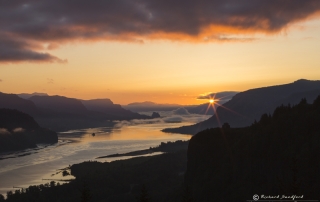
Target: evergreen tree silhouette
column 85, row 193
column 295, row 185
column 144, row 196
column 226, row 126
column 1, row 198
column 292, row 185
column 187, row 197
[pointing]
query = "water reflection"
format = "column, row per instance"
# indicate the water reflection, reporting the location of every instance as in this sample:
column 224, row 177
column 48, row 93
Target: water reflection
column 29, row 167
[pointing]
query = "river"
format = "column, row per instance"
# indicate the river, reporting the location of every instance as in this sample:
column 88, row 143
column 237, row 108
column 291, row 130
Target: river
column 29, row 167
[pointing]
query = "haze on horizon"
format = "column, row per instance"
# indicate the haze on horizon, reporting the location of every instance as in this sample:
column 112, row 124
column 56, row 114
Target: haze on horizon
column 160, row 51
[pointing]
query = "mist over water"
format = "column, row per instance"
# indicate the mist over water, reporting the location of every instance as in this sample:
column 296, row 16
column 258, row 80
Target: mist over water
column 29, row 167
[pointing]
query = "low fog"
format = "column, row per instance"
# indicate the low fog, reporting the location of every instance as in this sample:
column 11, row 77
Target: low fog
column 176, row 116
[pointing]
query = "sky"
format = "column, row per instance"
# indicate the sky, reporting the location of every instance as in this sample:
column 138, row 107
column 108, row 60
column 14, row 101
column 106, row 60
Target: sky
column 156, row 50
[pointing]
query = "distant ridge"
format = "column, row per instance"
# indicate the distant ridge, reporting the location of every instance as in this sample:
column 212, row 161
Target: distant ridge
column 143, row 103
column 220, row 98
column 247, row 106
column 106, row 106
column 59, row 105
column 97, row 102
column 12, row 101
column 149, row 106
column 61, row 113
column 28, row 95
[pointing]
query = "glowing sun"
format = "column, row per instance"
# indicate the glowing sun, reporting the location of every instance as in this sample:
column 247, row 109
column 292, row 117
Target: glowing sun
column 211, row 101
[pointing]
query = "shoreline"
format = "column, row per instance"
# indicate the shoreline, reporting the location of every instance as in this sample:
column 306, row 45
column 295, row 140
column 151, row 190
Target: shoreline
column 133, row 153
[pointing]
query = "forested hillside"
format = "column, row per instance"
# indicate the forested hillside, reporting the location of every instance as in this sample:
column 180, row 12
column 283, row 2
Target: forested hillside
column 280, row 154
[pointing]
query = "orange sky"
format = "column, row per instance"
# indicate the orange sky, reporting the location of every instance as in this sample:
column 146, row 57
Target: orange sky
column 166, row 71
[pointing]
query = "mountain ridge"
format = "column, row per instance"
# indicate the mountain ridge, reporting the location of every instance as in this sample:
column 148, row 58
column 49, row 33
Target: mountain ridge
column 62, row 113
column 28, row 95
column 247, row 106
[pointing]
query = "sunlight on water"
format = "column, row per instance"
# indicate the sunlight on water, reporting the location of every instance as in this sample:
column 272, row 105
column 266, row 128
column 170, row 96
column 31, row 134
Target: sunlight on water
column 29, row 167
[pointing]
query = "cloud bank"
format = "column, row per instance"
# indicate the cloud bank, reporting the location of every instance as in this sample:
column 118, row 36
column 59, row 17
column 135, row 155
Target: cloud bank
column 30, row 28
column 167, row 117
column 17, row 50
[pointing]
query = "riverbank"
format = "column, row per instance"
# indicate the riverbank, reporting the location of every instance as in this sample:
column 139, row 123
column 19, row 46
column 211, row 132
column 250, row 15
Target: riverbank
column 121, row 180
column 163, row 147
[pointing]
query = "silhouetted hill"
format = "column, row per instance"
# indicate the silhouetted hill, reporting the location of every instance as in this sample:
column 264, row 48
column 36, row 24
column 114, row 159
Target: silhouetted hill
column 59, row 105
column 28, row 95
column 111, row 111
column 247, row 106
column 146, row 103
column 220, row 98
column 151, row 106
column 181, row 111
column 20, row 131
column 11, row 119
column 155, row 115
column 60, row 113
column 201, row 109
column 12, row 101
column 279, row 155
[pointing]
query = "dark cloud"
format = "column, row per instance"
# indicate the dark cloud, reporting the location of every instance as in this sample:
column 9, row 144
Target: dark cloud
column 15, row 50
column 55, row 22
